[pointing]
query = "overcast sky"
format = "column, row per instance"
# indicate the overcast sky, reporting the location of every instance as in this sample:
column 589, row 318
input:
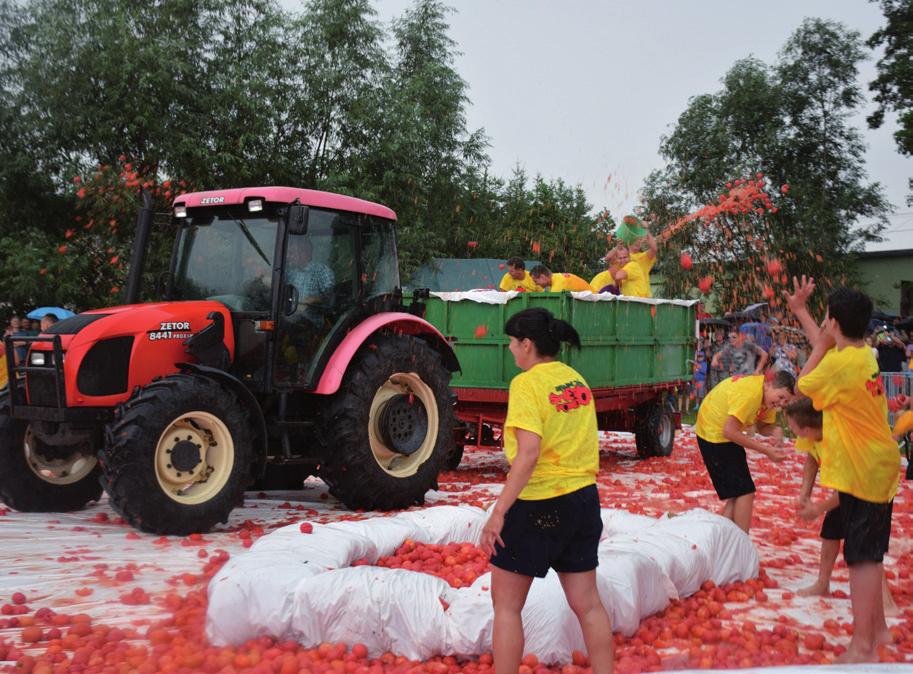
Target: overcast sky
column 583, row 90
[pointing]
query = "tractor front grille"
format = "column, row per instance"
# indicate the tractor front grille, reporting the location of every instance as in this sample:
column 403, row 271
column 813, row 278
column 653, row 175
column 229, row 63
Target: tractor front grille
column 105, row 369
column 42, row 388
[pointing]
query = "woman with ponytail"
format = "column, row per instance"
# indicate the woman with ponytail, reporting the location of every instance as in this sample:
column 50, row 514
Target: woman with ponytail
column 547, row 515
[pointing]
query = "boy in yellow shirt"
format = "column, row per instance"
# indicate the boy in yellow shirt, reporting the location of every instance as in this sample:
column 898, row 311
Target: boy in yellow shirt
column 645, row 258
column 806, row 424
column 517, row 278
column 557, row 282
column 604, row 281
column 730, row 407
column 859, row 457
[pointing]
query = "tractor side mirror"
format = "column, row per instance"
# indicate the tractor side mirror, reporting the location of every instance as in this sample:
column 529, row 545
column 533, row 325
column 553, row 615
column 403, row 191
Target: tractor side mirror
column 297, row 219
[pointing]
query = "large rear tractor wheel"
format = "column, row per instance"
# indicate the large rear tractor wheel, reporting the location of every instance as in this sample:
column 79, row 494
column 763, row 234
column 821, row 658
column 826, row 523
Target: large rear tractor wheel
column 654, row 430
column 388, row 432
column 178, row 456
column 35, row 477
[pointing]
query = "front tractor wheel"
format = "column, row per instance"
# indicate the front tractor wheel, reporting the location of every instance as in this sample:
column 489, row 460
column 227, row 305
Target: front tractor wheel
column 36, row 477
column 178, row 456
column 389, row 430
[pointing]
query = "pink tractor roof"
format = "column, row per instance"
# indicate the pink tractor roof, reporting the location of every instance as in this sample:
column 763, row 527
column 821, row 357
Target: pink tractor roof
column 284, row 195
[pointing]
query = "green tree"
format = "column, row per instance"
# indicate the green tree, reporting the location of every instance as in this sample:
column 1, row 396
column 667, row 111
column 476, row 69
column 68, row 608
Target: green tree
column 102, row 97
column 424, row 152
column 337, row 48
column 791, row 123
column 893, row 86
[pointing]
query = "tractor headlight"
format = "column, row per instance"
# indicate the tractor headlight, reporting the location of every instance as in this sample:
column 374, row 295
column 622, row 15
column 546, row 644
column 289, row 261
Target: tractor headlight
column 255, row 205
column 180, row 211
column 38, row 358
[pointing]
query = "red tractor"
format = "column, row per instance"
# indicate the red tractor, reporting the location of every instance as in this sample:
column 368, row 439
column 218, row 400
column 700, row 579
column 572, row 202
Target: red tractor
column 283, row 349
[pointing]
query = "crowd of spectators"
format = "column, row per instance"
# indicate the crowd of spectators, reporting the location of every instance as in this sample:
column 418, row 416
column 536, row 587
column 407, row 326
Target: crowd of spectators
column 749, row 346
column 21, row 326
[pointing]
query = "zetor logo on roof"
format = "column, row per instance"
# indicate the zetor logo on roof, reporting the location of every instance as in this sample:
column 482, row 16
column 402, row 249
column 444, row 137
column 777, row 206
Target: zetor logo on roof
column 212, row 200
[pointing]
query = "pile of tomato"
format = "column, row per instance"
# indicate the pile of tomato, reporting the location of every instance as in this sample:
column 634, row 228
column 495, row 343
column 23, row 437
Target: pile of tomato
column 460, row 564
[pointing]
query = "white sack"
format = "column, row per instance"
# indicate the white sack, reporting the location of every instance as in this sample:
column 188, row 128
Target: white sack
column 302, row 586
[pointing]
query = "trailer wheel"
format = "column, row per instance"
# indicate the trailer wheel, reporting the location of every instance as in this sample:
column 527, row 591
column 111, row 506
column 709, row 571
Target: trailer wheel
column 654, row 429
column 389, row 431
column 35, row 477
column 178, row 455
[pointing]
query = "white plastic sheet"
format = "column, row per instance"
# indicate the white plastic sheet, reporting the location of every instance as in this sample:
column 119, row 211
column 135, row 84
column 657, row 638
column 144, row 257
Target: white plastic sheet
column 302, row 586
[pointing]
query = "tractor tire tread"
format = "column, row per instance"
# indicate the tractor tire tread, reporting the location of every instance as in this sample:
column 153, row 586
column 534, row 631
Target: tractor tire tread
column 349, row 467
column 128, row 457
column 24, row 491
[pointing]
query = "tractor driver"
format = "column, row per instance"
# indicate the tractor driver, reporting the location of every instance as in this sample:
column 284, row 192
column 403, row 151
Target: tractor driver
column 313, row 280
column 306, row 326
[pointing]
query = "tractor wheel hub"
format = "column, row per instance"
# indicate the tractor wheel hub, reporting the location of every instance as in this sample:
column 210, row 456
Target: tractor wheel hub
column 185, row 456
column 403, row 423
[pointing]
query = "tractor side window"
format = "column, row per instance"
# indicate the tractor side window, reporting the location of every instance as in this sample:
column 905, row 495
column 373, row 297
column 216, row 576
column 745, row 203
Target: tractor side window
column 380, row 273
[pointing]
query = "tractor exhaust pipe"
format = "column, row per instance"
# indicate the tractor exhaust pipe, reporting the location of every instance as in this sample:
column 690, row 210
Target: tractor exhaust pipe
column 138, row 258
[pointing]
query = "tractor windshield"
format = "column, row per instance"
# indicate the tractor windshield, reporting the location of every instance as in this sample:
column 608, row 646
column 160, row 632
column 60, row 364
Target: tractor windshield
column 226, row 254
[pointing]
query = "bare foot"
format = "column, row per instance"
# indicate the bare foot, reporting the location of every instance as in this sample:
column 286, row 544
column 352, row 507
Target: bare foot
column 816, row 589
column 853, row 655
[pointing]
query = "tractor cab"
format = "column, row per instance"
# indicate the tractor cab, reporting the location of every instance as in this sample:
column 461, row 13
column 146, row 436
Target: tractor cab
column 295, row 277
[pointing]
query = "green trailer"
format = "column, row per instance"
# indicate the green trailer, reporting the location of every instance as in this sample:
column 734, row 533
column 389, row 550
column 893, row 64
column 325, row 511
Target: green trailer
column 635, row 355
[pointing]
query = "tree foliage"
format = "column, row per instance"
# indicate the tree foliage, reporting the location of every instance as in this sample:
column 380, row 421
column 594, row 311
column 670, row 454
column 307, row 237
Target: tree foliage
column 789, row 122
column 893, row 86
column 102, row 97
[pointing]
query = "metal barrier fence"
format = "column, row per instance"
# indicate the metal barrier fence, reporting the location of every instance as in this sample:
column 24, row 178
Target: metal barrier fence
column 896, row 383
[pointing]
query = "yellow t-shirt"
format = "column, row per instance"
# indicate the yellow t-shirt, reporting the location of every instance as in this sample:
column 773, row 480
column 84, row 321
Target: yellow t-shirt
column 858, row 456
column 811, row 447
column 741, row 397
column 553, row 401
column 646, row 263
column 562, row 282
column 510, row 283
column 603, row 279
column 637, row 282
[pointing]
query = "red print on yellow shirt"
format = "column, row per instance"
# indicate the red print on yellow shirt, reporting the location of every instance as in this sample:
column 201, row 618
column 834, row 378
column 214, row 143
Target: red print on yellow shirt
column 570, row 396
column 875, row 386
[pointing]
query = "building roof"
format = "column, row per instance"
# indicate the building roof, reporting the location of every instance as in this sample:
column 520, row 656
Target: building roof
column 897, row 237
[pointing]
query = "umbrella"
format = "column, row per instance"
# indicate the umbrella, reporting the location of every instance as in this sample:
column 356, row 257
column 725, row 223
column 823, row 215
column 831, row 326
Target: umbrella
column 721, row 322
column 754, row 309
column 41, row 312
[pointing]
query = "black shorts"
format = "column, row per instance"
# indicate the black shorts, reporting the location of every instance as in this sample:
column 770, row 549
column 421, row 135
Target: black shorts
column 867, row 527
column 728, row 468
column 832, row 526
column 561, row 533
